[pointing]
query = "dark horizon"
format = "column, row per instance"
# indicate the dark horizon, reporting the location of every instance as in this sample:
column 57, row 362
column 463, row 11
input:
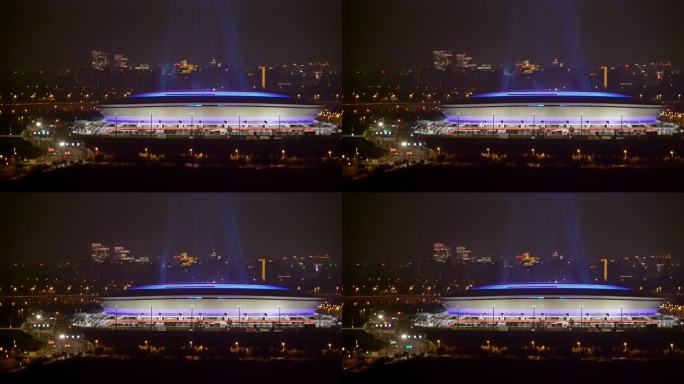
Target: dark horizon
column 501, row 32
column 54, row 227
column 398, row 228
column 49, row 35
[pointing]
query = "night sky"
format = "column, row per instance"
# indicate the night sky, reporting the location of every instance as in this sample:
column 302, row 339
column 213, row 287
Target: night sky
column 48, row 34
column 402, row 227
column 402, row 34
column 61, row 227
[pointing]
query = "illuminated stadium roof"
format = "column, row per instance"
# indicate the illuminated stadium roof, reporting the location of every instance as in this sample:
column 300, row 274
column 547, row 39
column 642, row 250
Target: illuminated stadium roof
column 201, row 93
column 537, row 97
column 206, row 96
column 550, row 286
column 551, row 94
column 204, row 289
column 545, row 110
column 552, row 298
column 208, row 286
column 209, row 299
column 219, row 112
column 550, row 289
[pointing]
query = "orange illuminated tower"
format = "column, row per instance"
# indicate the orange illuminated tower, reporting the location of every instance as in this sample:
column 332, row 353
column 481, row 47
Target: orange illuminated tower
column 263, row 77
column 605, row 77
column 263, row 269
column 605, row 269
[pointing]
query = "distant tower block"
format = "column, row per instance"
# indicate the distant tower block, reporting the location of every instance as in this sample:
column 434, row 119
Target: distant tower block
column 263, row 269
column 605, row 77
column 605, row 269
column 263, row 77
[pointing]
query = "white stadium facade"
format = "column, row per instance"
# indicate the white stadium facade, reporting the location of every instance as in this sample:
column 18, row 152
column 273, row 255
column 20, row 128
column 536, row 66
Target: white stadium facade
column 207, row 305
column 207, row 112
column 548, row 305
column 555, row 112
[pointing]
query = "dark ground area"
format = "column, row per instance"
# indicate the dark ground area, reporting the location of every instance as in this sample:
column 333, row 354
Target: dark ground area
column 433, row 178
column 495, row 370
column 160, row 370
column 161, row 178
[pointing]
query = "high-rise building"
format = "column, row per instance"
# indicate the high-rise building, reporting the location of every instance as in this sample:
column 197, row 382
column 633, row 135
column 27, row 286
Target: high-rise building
column 442, row 60
column 464, row 255
column 185, row 260
column 99, row 60
column 527, row 68
column 464, row 62
column 441, row 252
column 122, row 255
column 120, row 61
column 185, row 68
column 526, row 260
column 98, row 252
column 484, row 260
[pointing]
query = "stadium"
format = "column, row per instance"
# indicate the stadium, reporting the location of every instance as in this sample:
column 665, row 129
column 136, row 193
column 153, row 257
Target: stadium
column 207, row 305
column 207, row 112
column 550, row 112
column 549, row 305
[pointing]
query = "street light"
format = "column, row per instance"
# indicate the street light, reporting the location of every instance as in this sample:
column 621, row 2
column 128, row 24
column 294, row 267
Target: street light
column 620, row 317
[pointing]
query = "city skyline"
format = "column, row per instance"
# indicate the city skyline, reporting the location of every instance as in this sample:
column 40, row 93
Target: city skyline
column 162, row 225
column 47, row 35
column 403, row 228
column 504, row 32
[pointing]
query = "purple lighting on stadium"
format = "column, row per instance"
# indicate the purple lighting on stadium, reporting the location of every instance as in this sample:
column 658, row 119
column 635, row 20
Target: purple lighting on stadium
column 210, row 286
column 205, row 93
column 197, row 121
column 574, row 312
column 551, row 94
column 553, row 120
column 230, row 312
column 550, row 286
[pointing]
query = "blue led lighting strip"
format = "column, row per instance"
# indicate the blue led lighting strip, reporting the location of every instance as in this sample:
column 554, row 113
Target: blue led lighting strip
column 552, row 93
column 550, row 286
column 210, row 286
column 203, row 93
